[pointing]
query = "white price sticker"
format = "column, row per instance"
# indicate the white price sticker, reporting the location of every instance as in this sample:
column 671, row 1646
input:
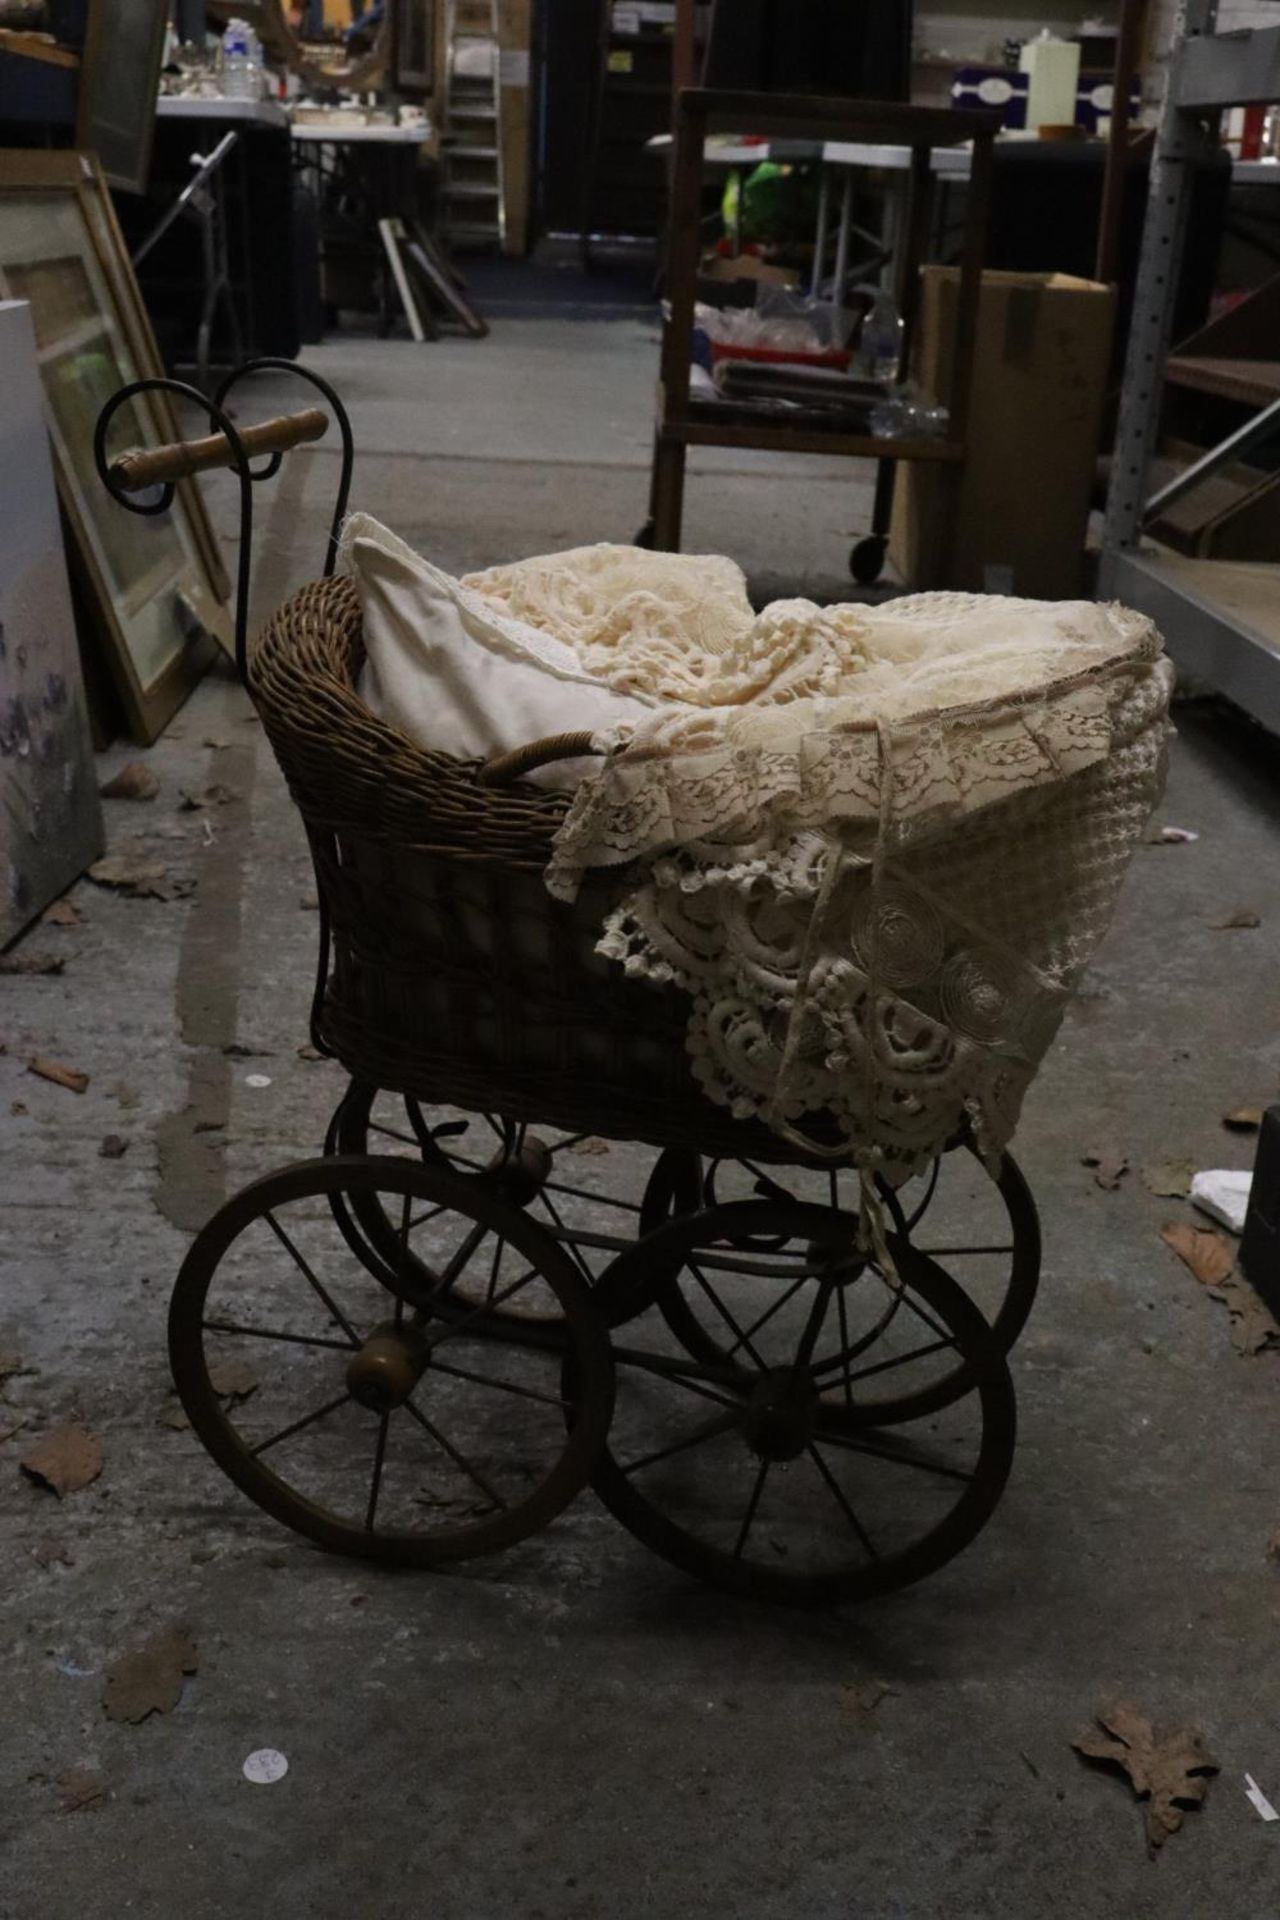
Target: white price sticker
column 265, row 1766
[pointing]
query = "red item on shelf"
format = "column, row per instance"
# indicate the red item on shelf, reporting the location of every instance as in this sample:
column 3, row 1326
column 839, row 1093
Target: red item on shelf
column 838, row 357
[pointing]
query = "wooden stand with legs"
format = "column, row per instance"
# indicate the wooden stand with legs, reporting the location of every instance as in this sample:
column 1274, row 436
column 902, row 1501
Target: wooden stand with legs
column 686, row 420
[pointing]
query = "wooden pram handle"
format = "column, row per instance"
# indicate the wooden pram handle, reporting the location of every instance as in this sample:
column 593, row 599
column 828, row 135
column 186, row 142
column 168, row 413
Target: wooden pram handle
column 538, row 753
column 149, row 466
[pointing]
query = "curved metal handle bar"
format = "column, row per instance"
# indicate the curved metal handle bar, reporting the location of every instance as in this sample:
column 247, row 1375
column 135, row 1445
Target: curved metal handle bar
column 244, row 474
column 272, row 364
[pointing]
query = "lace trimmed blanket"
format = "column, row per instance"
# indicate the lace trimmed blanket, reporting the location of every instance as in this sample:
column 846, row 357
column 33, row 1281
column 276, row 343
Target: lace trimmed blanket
column 875, row 846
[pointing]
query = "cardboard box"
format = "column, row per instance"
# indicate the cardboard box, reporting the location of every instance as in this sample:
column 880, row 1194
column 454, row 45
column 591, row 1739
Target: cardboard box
column 1035, row 416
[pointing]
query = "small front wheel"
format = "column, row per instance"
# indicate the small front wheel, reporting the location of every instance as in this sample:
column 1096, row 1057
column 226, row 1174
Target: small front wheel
column 342, row 1403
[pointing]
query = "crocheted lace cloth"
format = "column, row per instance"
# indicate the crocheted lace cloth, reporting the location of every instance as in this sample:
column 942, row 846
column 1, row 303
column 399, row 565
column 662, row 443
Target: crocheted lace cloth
column 876, row 846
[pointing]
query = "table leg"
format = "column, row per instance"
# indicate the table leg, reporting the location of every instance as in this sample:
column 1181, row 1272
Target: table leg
column 666, row 495
column 842, row 237
column 820, row 234
column 896, row 188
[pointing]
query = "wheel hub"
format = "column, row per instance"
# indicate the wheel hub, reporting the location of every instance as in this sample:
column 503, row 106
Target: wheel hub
column 524, row 1173
column 384, row 1371
column 838, row 1262
column 780, row 1417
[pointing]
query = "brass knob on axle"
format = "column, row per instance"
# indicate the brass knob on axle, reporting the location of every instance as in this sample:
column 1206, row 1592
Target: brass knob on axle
column 385, row 1370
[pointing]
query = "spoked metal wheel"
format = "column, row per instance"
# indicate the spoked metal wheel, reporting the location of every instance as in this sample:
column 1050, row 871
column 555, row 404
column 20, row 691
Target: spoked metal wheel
column 541, row 1171
column 344, row 1406
column 807, row 1461
column 984, row 1227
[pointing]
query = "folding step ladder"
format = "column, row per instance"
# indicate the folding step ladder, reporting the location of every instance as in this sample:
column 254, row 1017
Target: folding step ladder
column 471, row 150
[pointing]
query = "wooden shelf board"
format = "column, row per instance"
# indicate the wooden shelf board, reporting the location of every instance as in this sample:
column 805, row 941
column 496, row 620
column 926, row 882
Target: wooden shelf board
column 1254, row 382
column 770, row 434
column 34, row 46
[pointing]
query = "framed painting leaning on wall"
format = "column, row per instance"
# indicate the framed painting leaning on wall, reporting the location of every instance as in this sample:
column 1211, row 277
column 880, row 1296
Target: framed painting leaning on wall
column 50, row 819
column 154, row 585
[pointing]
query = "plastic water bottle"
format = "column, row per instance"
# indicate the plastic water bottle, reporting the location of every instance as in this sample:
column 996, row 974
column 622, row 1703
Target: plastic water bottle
column 241, row 62
column 880, row 342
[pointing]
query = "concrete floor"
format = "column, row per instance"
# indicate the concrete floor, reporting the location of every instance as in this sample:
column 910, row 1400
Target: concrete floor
column 574, row 1730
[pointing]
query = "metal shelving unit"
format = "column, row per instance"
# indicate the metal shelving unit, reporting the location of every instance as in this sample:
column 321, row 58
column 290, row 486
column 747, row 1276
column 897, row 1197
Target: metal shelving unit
column 1220, row 619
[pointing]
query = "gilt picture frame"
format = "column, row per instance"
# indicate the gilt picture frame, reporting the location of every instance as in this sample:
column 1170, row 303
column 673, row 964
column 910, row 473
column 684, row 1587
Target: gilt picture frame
column 154, row 585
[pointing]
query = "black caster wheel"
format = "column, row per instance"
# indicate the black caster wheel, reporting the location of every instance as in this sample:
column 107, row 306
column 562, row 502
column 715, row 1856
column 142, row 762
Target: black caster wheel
column 981, row 1226
column 799, row 1466
column 542, row 1172
column 866, row 559
column 644, row 538
column 345, row 1407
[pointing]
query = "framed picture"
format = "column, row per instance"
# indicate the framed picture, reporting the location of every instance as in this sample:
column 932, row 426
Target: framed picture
column 154, row 585
column 50, row 818
column 414, row 46
column 119, row 83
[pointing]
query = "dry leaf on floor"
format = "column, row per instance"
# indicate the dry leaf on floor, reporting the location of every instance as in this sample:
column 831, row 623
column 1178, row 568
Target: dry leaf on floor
column 1169, row 1179
column 860, row 1698
column 80, row 1789
column 1109, row 1166
column 11, row 1364
column 218, row 745
column 140, row 879
column 69, row 1077
column 114, row 1147
column 1253, row 1328
column 35, row 963
column 310, row 903
column 1212, row 1260
column 51, row 1553
column 307, row 1052
column 233, row 1380
column 133, row 782
column 173, row 1416
column 1245, row 918
column 64, row 1460
column 466, row 1506
column 63, row 913
column 1209, row 1256
column 592, row 1144
column 1243, row 1119
column 150, row 1680
column 1170, row 1774
column 216, row 795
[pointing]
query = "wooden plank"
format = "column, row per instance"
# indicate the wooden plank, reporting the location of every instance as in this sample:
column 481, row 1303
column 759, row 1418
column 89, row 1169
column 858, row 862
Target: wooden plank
column 34, row 46
column 1256, row 383
column 1246, row 591
column 701, row 432
column 872, row 121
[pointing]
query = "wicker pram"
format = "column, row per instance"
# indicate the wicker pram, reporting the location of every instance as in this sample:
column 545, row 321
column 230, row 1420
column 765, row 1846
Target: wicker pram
column 750, row 1387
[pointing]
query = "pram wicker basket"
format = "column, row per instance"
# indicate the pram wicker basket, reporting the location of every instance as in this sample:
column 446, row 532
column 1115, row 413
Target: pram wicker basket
column 456, row 978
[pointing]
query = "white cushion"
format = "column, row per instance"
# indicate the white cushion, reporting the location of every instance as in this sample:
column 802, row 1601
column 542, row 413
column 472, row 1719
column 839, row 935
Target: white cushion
column 457, row 673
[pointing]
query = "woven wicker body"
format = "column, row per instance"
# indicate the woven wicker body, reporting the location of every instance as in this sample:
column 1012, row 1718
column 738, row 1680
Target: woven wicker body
column 455, row 977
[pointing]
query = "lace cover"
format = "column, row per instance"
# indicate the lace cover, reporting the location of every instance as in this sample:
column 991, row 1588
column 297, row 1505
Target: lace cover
column 880, row 859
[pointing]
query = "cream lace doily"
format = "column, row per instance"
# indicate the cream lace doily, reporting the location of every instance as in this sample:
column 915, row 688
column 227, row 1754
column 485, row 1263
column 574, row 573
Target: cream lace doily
column 879, row 859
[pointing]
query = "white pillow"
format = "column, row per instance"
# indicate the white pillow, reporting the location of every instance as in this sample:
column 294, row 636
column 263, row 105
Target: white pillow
column 458, row 674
